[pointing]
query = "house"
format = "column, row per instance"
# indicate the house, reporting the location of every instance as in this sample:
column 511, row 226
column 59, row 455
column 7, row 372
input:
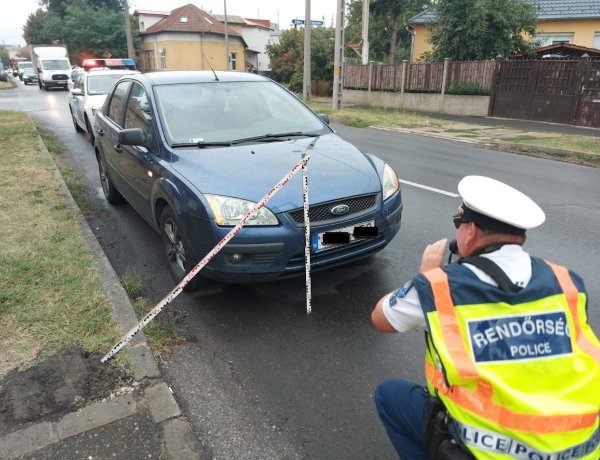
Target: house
column 559, row 21
column 188, row 38
column 257, row 35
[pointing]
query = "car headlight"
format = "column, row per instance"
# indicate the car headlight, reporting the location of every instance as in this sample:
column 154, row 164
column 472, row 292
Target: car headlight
column 229, row 211
column 389, row 182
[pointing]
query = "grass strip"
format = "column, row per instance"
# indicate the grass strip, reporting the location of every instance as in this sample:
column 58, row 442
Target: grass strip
column 50, row 292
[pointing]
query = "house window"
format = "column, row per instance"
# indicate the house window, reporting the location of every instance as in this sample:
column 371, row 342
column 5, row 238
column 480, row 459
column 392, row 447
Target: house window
column 553, row 39
column 596, row 42
column 233, row 59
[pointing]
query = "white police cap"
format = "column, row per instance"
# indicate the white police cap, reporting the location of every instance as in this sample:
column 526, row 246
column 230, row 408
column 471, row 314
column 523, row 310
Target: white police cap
column 494, row 205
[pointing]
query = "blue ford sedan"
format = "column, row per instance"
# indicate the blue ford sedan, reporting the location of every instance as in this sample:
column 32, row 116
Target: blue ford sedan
column 193, row 152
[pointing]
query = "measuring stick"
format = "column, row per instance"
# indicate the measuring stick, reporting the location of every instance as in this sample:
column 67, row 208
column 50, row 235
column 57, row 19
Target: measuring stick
column 177, row 290
column 306, row 233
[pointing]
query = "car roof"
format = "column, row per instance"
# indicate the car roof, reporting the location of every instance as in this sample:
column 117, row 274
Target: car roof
column 197, row 76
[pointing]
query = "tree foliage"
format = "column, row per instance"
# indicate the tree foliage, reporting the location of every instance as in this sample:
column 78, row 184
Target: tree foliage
column 383, row 46
column 4, row 57
column 287, row 56
column 481, row 29
column 88, row 28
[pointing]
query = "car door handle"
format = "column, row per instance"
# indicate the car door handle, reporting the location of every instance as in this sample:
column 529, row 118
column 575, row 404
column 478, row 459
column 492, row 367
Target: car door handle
column 118, row 148
column 100, row 132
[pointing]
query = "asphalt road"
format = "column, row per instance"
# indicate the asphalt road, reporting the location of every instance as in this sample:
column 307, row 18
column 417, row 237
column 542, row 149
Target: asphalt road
column 261, row 379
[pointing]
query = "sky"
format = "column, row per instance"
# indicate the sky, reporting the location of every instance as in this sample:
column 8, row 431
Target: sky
column 15, row 12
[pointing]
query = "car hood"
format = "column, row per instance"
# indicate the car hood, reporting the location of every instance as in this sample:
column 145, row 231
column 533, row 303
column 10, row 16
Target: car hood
column 95, row 102
column 336, row 169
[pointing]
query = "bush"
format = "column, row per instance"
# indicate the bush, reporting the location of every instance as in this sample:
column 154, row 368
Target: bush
column 468, row 89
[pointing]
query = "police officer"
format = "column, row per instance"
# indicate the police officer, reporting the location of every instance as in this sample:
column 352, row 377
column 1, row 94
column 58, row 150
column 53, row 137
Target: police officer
column 512, row 366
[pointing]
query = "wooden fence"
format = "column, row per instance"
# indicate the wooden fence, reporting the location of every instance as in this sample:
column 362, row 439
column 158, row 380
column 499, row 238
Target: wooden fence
column 432, row 77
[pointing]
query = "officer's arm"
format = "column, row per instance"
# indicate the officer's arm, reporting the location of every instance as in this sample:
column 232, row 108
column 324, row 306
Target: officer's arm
column 378, row 318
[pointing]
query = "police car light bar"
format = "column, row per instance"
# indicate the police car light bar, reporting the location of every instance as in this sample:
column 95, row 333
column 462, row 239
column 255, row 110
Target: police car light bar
column 109, row 63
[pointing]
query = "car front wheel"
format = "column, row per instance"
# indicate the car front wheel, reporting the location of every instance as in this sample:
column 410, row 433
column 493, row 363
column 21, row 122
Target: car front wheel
column 112, row 195
column 77, row 127
column 177, row 250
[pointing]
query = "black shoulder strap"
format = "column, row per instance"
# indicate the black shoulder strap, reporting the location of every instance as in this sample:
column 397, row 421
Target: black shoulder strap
column 492, row 269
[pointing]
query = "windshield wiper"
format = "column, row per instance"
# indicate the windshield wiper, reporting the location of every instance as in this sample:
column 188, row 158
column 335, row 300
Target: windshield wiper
column 273, row 137
column 201, row 145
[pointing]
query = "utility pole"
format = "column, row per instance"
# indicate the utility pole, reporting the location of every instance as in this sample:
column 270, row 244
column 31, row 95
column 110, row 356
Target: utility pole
column 338, row 56
column 307, row 30
column 365, row 32
column 130, row 50
column 226, row 37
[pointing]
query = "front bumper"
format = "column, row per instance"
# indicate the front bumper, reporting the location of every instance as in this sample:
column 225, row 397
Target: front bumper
column 283, row 256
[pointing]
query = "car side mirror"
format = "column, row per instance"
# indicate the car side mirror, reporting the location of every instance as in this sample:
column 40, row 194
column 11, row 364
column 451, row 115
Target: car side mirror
column 132, row 136
column 324, row 117
column 76, row 92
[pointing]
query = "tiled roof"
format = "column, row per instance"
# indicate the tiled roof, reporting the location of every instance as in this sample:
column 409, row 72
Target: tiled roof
column 547, row 9
column 266, row 23
column 189, row 18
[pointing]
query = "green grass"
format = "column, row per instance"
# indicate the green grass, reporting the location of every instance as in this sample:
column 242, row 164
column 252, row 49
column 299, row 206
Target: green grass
column 364, row 117
column 50, row 291
column 78, row 191
column 161, row 333
column 565, row 142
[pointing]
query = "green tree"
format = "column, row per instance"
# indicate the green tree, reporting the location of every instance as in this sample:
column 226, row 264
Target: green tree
column 392, row 9
column 34, row 28
column 481, row 29
column 287, row 56
column 381, row 30
column 4, row 57
column 88, row 28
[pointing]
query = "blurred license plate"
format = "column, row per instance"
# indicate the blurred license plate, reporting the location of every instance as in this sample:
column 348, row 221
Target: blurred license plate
column 340, row 236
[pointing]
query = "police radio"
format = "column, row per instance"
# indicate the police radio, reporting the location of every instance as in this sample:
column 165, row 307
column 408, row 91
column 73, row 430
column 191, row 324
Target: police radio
column 453, row 248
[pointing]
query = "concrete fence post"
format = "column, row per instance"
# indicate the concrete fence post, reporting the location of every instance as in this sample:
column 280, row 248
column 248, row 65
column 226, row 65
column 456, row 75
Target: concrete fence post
column 370, row 82
column 403, row 81
column 444, row 79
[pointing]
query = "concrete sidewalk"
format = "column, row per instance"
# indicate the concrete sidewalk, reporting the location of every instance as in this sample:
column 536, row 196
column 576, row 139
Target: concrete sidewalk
column 141, row 420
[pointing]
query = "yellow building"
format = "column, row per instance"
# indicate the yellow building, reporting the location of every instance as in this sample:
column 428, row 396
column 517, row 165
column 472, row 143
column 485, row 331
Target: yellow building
column 568, row 21
column 188, row 38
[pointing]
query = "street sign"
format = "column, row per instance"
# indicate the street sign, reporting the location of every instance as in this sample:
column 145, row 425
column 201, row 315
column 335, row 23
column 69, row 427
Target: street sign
column 300, row 22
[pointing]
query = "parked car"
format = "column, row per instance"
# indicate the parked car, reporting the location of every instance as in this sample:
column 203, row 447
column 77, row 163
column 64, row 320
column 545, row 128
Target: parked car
column 3, row 74
column 22, row 66
column 29, row 76
column 193, row 152
column 88, row 94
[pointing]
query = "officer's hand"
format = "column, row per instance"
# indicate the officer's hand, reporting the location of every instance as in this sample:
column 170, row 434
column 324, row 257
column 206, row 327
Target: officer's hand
column 433, row 255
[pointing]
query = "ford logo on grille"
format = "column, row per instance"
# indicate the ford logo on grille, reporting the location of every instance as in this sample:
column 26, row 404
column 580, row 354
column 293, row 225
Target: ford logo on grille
column 340, row 210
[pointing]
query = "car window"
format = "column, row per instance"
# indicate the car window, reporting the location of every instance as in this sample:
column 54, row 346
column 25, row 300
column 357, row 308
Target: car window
column 222, row 112
column 138, row 113
column 101, row 84
column 117, row 101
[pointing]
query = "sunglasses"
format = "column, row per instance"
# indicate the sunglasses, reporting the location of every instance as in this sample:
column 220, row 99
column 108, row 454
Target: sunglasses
column 458, row 221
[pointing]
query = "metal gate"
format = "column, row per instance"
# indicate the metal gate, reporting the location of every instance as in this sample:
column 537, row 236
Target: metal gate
column 559, row 91
column 588, row 105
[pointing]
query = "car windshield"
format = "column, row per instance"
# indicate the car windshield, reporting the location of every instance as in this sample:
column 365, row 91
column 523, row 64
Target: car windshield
column 25, row 65
column 223, row 112
column 27, row 71
column 56, row 64
column 101, row 84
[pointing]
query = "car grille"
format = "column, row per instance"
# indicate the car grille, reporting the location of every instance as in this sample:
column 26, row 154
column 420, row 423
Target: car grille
column 59, row 77
column 321, row 213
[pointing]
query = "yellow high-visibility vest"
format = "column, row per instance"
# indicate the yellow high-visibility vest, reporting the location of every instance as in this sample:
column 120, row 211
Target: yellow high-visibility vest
column 519, row 373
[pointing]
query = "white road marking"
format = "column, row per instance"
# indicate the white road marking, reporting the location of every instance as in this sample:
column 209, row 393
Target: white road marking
column 431, row 189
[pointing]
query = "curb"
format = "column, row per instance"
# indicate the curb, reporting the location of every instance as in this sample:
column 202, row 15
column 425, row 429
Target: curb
column 180, row 441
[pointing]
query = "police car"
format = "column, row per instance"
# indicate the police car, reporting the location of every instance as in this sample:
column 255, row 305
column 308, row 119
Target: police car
column 89, row 89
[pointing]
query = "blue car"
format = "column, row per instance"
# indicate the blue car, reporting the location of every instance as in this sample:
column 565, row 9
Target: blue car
column 193, row 152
